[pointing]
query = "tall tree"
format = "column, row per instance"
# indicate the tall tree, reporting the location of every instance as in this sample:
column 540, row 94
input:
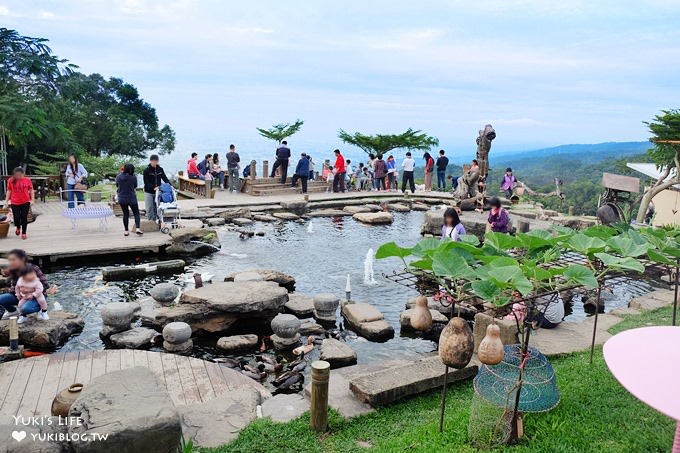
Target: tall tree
column 384, row 143
column 281, row 131
column 665, row 129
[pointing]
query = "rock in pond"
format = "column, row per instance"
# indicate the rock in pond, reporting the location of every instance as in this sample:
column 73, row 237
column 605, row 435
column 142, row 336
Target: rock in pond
column 329, row 213
column 215, row 221
column 116, row 317
column 420, row 207
column 337, row 353
column 193, row 241
column 265, row 218
column 241, row 221
column 356, row 209
column 137, row 338
column 405, row 318
column 269, row 275
column 398, row 207
column 132, row 408
column 311, row 327
column 325, row 307
column 164, row 293
column 299, row 305
column 113, row 273
column 236, row 343
column 367, row 321
column 248, row 277
column 297, row 207
column 45, row 334
column 374, row 218
column 242, row 213
column 286, row 216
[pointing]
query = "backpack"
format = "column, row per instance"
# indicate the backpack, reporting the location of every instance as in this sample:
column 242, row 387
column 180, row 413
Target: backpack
column 166, row 195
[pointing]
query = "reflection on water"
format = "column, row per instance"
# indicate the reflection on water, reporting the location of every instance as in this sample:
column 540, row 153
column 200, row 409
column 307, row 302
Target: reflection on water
column 320, row 255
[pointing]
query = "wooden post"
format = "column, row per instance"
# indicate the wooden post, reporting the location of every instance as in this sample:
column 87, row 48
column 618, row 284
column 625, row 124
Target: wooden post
column 13, row 334
column 306, row 197
column 320, row 375
column 522, row 226
column 265, row 169
column 571, row 210
column 253, row 171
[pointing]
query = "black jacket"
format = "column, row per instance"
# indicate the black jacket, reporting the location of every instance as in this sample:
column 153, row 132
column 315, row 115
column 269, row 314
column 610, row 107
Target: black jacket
column 283, row 152
column 153, row 178
column 442, row 163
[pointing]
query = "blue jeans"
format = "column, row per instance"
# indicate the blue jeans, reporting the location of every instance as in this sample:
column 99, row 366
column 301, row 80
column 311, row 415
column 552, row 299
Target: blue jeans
column 78, row 194
column 441, row 179
column 9, row 302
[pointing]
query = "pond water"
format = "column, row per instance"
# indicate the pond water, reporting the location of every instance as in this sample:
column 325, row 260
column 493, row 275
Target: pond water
column 320, row 257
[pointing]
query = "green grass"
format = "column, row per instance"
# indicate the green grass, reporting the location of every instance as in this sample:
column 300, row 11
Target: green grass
column 595, row 414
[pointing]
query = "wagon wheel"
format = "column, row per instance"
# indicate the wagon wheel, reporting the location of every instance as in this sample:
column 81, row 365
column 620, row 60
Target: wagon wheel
column 609, row 214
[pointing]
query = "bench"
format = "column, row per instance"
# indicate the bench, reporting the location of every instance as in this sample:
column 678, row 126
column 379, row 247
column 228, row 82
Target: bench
column 194, row 188
column 101, row 210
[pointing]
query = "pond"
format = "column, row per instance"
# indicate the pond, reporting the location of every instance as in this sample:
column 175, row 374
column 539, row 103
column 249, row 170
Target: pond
column 319, row 253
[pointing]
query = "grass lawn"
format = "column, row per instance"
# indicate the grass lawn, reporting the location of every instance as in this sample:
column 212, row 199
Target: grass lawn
column 595, row 414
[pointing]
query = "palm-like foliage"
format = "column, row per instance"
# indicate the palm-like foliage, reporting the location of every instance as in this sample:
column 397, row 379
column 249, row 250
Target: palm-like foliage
column 384, row 143
column 281, row 131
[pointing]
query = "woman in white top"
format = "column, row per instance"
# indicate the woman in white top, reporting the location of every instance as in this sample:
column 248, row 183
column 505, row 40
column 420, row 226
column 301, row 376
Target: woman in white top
column 453, row 228
column 75, row 174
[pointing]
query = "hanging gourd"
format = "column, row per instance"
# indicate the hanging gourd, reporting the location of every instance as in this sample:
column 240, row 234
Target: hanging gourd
column 490, row 350
column 421, row 318
column 456, row 344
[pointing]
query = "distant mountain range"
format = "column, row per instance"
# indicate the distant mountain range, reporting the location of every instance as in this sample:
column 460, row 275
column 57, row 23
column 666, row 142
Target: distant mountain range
column 583, row 153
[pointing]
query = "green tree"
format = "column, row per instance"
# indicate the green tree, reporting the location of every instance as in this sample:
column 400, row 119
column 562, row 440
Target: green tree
column 384, row 143
column 665, row 129
column 279, row 132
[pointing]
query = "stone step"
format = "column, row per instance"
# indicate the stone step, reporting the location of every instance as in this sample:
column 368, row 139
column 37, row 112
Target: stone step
column 285, row 190
column 395, row 383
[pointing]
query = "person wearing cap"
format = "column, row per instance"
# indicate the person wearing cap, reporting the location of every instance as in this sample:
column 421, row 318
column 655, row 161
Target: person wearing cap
column 408, row 165
column 508, row 182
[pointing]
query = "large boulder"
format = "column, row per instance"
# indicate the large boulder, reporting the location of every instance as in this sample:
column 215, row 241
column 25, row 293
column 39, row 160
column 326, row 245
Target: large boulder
column 45, row 334
column 193, row 241
column 269, row 275
column 432, row 222
column 374, row 218
column 132, row 408
column 337, row 353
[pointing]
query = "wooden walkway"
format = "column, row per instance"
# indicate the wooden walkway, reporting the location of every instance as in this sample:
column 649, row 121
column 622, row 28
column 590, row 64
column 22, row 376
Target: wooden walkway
column 28, row 386
column 50, row 237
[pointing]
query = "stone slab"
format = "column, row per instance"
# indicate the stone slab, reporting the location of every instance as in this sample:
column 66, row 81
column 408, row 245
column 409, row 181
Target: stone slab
column 341, row 398
column 337, row 353
column 571, row 337
column 374, row 218
column 265, row 218
column 299, row 305
column 45, row 334
column 241, row 221
column 137, row 338
column 360, row 312
column 286, row 216
column 356, row 209
column 367, row 321
column 329, row 213
column 311, row 327
column 283, row 407
column 236, row 343
column 395, row 383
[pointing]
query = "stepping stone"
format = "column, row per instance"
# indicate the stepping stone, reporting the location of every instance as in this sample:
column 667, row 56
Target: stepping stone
column 367, row 321
column 243, row 213
column 298, row 207
column 337, row 353
column 311, row 327
column 45, row 334
column 300, row 306
column 420, row 207
column 374, row 218
column 286, row 216
column 398, row 207
column 241, row 221
column 191, row 223
column 405, row 318
column 329, row 213
column 237, row 343
column 137, row 338
column 285, row 407
column 216, row 221
column 395, row 383
column 264, row 218
column 164, row 293
column 356, row 209
column 248, row 276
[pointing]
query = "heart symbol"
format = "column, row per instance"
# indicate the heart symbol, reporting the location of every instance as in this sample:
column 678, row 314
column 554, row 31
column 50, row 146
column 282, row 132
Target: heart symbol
column 19, row 435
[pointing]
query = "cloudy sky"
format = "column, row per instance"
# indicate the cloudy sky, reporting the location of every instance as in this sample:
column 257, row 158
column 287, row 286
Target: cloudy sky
column 543, row 72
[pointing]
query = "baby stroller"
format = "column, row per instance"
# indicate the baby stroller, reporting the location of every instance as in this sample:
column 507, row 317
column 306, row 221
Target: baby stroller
column 167, row 208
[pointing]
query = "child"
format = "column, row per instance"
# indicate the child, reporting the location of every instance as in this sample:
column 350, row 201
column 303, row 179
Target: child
column 499, row 221
column 452, row 228
column 29, row 287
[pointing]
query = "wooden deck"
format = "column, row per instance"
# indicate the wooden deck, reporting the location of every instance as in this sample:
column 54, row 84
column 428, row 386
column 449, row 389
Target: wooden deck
column 50, row 237
column 28, row 386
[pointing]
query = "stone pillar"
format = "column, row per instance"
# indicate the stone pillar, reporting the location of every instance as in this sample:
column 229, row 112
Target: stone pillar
column 164, row 293
column 253, row 171
column 325, row 306
column 265, row 169
column 177, row 337
column 116, row 318
column 286, row 332
column 320, row 376
column 571, row 210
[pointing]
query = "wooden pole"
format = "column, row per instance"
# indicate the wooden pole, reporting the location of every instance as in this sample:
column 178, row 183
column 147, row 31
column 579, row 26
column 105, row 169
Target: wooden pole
column 13, row 333
column 320, row 375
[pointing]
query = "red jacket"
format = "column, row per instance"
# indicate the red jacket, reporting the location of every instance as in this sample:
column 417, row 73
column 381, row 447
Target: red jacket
column 339, row 166
column 192, row 168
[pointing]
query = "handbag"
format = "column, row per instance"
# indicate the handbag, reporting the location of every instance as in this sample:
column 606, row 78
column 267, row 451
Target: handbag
column 80, row 186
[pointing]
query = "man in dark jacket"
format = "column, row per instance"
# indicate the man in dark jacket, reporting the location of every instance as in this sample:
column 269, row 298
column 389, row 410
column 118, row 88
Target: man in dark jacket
column 282, row 157
column 442, row 163
column 301, row 172
column 233, row 162
column 153, row 176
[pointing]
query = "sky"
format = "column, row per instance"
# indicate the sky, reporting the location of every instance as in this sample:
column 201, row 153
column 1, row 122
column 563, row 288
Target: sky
column 543, row 72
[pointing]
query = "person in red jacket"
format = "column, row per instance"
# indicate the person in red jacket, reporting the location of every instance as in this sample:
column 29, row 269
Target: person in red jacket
column 192, row 168
column 20, row 197
column 339, row 168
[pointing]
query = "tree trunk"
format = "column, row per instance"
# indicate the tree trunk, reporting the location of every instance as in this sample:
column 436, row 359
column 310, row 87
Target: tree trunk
column 651, row 193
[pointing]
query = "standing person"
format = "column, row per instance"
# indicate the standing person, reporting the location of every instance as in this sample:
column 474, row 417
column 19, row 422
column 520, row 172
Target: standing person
column 453, row 228
column 192, row 169
column 217, row 172
column 233, row 163
column 429, row 171
column 442, row 164
column 312, row 167
column 282, row 157
column 391, row 173
column 17, row 262
column 508, row 182
column 152, row 176
column 339, row 169
column 20, row 196
column 301, row 172
column 408, row 165
column 127, row 197
column 75, row 174
column 499, row 221
column 380, row 169
column 371, row 169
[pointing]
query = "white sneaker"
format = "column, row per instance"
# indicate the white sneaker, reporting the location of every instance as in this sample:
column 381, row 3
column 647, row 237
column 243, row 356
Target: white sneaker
column 22, row 319
column 43, row 316
column 8, row 314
